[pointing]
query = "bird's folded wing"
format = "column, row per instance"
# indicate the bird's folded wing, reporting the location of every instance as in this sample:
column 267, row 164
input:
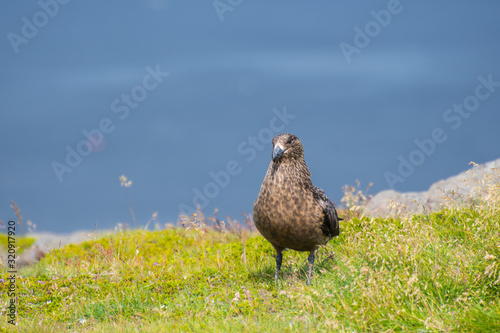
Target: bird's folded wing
column 331, row 220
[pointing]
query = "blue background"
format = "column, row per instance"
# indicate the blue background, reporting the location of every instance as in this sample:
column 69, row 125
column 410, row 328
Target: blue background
column 354, row 118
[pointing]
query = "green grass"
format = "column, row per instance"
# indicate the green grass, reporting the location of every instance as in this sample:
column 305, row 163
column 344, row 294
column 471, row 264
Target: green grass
column 22, row 243
column 439, row 272
column 424, row 273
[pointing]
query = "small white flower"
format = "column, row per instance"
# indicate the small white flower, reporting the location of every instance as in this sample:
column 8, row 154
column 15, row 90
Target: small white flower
column 489, row 257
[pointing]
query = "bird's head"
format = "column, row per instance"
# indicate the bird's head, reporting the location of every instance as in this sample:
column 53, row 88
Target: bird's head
column 287, row 147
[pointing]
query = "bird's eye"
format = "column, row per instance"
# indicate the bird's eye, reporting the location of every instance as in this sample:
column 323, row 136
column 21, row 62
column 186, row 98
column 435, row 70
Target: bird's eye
column 289, row 141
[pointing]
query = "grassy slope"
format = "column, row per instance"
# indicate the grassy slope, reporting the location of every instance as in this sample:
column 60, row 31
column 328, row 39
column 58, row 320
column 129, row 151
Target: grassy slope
column 22, row 243
column 439, row 272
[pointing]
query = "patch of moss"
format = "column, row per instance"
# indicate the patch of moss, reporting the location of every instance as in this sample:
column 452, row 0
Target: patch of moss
column 22, row 243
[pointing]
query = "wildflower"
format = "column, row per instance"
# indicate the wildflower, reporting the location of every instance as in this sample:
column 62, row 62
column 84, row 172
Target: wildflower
column 125, row 182
column 236, row 297
column 489, row 257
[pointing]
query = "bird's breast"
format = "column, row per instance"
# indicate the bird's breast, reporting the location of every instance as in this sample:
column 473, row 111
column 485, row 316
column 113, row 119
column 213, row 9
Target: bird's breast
column 285, row 213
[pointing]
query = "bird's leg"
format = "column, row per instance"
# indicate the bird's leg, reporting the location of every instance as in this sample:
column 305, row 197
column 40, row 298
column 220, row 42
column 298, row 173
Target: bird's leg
column 279, row 259
column 310, row 259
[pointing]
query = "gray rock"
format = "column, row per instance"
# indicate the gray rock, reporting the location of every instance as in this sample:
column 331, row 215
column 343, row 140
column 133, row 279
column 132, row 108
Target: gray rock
column 456, row 190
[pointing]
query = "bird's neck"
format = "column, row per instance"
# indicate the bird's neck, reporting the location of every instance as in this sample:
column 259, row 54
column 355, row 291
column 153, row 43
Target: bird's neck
column 293, row 172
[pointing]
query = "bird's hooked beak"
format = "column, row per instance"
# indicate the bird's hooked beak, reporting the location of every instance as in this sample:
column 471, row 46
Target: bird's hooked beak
column 277, row 152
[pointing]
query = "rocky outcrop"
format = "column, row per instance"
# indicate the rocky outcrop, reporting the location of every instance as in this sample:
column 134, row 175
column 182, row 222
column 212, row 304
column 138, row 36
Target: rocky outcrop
column 459, row 189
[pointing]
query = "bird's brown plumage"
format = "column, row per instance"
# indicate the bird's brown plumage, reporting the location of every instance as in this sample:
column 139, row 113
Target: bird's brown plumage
column 290, row 212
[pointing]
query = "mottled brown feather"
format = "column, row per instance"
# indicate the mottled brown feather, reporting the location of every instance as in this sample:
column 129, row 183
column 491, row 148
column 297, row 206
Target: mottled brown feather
column 290, row 212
